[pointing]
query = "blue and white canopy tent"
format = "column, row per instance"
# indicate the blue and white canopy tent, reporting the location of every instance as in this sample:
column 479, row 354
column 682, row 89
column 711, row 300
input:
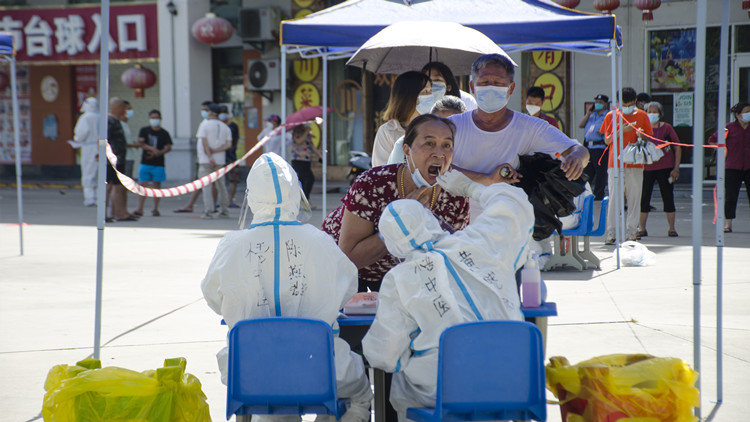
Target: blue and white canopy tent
column 516, row 25
column 8, row 53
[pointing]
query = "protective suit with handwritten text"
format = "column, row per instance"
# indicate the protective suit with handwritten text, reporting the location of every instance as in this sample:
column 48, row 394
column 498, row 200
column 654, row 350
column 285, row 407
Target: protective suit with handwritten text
column 445, row 279
column 281, row 267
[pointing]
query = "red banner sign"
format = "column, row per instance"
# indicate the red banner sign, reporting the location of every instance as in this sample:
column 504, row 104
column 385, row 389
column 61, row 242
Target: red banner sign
column 73, row 34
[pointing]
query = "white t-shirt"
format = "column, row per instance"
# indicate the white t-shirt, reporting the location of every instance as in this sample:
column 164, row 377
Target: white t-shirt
column 477, row 150
column 217, row 134
column 388, row 134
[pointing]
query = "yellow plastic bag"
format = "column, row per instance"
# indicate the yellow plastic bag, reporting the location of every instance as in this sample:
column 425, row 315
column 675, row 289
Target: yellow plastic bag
column 88, row 392
column 633, row 388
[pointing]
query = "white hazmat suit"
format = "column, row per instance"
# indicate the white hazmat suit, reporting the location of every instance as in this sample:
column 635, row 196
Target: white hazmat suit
column 281, row 267
column 87, row 135
column 444, row 280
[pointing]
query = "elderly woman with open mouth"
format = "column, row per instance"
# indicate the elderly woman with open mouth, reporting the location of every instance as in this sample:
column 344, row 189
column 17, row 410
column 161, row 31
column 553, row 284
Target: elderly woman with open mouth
column 428, row 146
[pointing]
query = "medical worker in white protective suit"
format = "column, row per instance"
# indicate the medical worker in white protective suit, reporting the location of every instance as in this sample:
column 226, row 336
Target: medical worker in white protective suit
column 444, row 280
column 86, row 134
column 313, row 277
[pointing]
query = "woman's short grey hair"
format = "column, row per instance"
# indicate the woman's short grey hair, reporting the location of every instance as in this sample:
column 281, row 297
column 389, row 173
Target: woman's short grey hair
column 493, row 59
column 450, row 104
column 657, row 105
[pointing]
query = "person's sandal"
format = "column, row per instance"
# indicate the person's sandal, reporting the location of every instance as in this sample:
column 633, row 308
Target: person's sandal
column 672, row 233
column 183, row 210
column 642, row 233
column 138, row 213
column 727, row 229
column 155, row 213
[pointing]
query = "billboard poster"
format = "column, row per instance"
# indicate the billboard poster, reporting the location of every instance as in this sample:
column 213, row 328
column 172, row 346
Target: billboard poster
column 672, row 60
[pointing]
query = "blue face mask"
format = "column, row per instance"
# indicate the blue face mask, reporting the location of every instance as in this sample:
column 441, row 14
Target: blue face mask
column 438, row 90
column 598, row 106
column 491, row 98
column 628, row 110
column 223, row 116
column 745, row 117
column 129, row 113
column 425, row 103
column 416, row 176
column 204, row 114
column 154, row 122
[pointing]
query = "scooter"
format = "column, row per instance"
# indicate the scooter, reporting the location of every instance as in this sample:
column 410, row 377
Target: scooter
column 359, row 162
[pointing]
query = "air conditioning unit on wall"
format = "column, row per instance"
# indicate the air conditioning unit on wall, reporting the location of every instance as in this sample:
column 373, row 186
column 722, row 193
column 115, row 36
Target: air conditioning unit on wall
column 264, row 75
column 260, row 24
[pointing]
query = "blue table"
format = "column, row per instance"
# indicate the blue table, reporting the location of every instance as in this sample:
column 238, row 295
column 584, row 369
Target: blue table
column 355, row 326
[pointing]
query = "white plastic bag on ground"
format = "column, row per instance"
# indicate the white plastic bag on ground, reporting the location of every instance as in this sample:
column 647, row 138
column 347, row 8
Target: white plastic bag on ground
column 634, row 254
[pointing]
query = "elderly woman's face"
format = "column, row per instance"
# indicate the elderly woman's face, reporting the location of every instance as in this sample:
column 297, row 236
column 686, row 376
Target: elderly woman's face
column 432, row 150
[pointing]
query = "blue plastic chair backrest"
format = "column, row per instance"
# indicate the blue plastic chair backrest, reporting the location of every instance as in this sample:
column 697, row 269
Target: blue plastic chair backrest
column 491, row 370
column 586, row 220
column 599, row 231
column 281, row 363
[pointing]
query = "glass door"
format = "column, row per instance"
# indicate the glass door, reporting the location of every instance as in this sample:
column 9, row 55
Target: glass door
column 741, row 79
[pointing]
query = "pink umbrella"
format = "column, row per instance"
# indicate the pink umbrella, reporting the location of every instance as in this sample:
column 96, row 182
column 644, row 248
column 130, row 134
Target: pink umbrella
column 306, row 114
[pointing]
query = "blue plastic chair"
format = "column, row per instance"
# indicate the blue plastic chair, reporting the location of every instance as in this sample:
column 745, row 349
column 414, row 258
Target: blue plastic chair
column 488, row 370
column 282, row 366
column 586, row 253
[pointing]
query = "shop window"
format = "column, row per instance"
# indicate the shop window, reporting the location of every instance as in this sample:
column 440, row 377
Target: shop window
column 742, row 39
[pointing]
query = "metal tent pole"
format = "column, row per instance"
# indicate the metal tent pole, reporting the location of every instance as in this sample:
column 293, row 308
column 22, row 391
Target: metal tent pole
column 614, row 202
column 698, row 133
column 620, row 222
column 17, row 142
column 101, row 191
column 720, row 180
column 324, row 131
column 283, row 101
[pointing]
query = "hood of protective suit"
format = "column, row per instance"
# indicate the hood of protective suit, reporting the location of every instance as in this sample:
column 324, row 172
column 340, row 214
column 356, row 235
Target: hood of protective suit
column 91, row 105
column 406, row 225
column 273, row 192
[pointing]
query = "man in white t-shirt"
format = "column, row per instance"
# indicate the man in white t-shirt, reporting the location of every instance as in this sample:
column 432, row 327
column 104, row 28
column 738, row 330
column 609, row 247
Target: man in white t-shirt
column 214, row 137
column 493, row 137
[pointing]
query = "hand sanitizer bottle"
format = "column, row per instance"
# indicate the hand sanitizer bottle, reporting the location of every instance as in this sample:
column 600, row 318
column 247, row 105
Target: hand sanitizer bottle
column 531, row 284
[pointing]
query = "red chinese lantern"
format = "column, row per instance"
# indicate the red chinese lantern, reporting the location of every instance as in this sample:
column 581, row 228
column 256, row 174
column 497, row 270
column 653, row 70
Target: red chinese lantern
column 647, row 6
column 139, row 78
column 212, row 29
column 570, row 4
column 4, row 81
column 606, row 6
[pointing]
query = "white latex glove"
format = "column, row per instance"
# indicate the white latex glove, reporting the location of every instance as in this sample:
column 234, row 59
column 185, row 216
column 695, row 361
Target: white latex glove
column 458, row 184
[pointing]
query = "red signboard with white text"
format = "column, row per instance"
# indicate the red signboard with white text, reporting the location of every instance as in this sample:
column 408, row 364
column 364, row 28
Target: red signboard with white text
column 73, row 34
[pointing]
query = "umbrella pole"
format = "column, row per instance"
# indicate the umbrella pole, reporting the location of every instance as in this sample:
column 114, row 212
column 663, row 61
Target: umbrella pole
column 101, row 189
column 698, row 133
column 720, row 180
column 324, row 131
column 17, row 141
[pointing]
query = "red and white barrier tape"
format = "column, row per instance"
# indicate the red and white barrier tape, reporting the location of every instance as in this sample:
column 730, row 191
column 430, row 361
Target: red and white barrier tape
column 195, row 185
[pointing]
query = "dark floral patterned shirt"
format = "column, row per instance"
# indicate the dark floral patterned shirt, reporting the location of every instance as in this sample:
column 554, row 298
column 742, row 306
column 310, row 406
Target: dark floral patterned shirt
column 368, row 196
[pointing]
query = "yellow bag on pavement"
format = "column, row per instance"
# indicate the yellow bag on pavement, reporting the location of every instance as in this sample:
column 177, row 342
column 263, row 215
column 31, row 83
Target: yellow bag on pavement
column 86, row 391
column 624, row 387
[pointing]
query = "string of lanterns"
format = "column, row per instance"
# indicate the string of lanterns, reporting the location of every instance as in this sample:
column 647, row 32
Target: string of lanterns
column 607, row 6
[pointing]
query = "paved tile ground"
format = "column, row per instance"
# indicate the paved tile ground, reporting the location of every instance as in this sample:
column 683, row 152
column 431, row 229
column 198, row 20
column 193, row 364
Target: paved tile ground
column 153, row 308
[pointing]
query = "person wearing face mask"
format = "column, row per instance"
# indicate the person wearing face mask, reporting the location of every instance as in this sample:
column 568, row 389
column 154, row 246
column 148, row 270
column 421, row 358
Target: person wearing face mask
column 196, row 194
column 737, row 140
column 156, row 142
column 666, row 171
column 411, row 95
column 233, row 177
column 274, row 143
column 634, row 118
column 428, row 146
column 86, row 133
column 133, row 147
column 490, row 139
column 596, row 170
column 534, row 100
column 444, row 83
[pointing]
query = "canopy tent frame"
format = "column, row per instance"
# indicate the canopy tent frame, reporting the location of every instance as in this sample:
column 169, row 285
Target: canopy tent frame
column 612, row 47
column 8, row 53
